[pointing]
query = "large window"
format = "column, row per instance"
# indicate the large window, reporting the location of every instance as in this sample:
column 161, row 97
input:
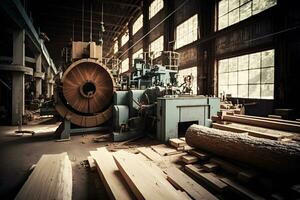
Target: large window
column 138, row 54
column 187, row 32
column 125, row 65
column 157, row 46
column 116, row 46
column 186, row 74
column 155, row 7
column 233, row 11
column 124, row 38
column 248, row 76
column 137, row 24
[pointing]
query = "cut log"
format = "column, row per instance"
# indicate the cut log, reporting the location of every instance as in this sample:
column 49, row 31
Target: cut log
column 143, row 181
column 108, row 171
column 183, row 182
column 269, row 155
column 50, row 179
column 264, row 123
column 207, row 178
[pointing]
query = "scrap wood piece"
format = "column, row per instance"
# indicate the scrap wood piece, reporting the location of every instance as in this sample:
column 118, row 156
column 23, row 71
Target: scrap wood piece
column 149, row 153
column 164, row 150
column 268, row 155
column 175, row 142
column 50, row 179
column 183, row 182
column 208, row 178
column 199, row 154
column 188, row 159
column 91, row 163
column 142, row 179
column 108, row 171
column 241, row 190
column 210, row 167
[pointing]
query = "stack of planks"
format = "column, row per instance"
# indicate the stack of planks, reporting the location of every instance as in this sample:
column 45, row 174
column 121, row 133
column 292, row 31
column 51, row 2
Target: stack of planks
column 127, row 176
column 261, row 127
column 50, row 179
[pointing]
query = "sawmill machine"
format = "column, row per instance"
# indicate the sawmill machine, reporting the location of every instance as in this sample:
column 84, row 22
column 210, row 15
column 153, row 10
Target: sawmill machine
column 153, row 104
column 84, row 93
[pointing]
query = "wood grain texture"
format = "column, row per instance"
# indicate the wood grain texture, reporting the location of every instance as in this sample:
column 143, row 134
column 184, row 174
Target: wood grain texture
column 51, row 179
column 143, row 181
column 110, row 175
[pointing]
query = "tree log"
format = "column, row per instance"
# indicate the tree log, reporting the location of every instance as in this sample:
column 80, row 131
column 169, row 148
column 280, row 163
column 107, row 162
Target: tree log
column 268, row 155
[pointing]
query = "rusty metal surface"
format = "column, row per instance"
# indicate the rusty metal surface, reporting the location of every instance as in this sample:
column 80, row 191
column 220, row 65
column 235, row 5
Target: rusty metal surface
column 87, row 89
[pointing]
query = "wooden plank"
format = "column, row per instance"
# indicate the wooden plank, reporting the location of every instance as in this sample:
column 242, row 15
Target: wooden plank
column 182, row 138
column 210, row 167
column 241, row 190
column 198, row 154
column 51, row 179
column 175, row 142
column 271, row 119
column 164, row 150
column 91, row 163
column 188, row 159
column 143, row 181
column 183, row 182
column 108, row 171
column 264, row 123
column 149, row 153
column 275, row 116
column 207, row 178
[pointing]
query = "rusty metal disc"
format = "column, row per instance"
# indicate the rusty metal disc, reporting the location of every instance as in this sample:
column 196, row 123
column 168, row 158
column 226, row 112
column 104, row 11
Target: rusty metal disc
column 87, row 86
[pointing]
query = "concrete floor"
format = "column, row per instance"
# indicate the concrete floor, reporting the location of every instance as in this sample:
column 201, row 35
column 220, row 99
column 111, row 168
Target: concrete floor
column 19, row 153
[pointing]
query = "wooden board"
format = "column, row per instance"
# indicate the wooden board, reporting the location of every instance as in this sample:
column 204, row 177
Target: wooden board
column 164, row 150
column 143, row 181
column 114, row 183
column 210, row 167
column 91, row 163
column 149, row 153
column 51, row 179
column 188, row 159
column 198, row 154
column 255, row 131
column 264, row 123
column 241, row 190
column 182, row 181
column 208, row 178
column 175, row 142
column 270, row 119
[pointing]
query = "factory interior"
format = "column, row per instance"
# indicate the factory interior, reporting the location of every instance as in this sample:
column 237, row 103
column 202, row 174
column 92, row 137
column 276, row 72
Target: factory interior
column 149, row 99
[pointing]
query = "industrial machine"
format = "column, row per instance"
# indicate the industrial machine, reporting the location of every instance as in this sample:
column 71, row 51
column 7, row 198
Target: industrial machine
column 84, row 93
column 152, row 103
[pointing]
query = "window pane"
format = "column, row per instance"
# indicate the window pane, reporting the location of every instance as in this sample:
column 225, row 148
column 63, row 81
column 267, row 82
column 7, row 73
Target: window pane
column 137, row 25
column 243, row 62
column 268, row 58
column 254, row 76
column 232, row 89
column 223, row 66
column 243, row 77
column 233, row 64
column 187, row 31
column 254, row 91
column 233, row 4
column 155, row 7
column 255, row 60
column 267, row 75
column 243, row 91
column 267, row 91
column 223, row 21
column 223, row 79
column 223, row 7
column 189, row 72
column 233, row 17
column 245, row 11
column 261, row 5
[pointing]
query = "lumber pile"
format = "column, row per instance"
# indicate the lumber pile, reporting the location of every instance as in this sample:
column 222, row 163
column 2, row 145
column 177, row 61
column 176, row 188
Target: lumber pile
column 50, row 179
column 268, row 155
